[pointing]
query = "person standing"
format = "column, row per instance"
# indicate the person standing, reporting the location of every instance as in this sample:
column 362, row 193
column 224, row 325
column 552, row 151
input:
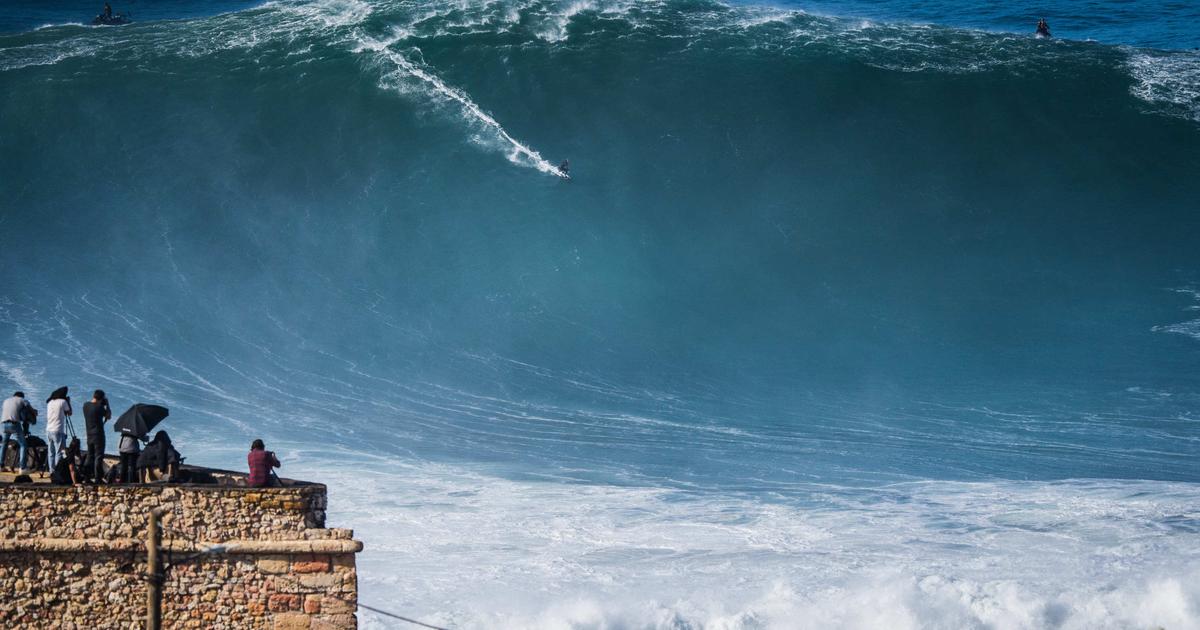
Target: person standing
column 129, row 448
column 261, row 462
column 13, row 413
column 95, row 413
column 58, row 409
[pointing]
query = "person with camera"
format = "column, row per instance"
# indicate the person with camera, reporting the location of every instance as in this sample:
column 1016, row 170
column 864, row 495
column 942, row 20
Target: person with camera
column 95, row 413
column 58, row 409
column 15, row 413
column 261, row 462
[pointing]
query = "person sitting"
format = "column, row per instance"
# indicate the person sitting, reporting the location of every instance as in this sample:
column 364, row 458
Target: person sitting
column 261, row 462
column 159, row 461
column 68, row 466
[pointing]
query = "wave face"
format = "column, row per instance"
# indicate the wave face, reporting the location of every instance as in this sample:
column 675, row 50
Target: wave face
column 837, row 321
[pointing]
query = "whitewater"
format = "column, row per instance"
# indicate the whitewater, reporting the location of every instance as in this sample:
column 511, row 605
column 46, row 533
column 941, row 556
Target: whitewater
column 843, row 320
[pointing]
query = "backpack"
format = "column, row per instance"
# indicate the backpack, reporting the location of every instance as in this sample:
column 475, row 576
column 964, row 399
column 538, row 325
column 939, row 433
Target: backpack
column 61, row 475
column 27, row 415
column 35, row 453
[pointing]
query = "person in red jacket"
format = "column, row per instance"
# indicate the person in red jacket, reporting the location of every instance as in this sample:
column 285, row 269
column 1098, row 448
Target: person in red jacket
column 261, row 462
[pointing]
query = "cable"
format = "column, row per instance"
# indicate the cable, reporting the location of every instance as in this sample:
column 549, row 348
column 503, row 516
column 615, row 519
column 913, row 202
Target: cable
column 395, row 616
column 370, row 608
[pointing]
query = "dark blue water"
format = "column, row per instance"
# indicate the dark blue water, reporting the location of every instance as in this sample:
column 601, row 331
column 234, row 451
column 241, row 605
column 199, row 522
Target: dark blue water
column 1168, row 24
column 27, row 15
column 892, row 305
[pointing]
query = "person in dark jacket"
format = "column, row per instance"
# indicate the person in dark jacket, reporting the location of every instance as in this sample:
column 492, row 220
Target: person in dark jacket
column 261, row 462
column 68, row 467
column 159, row 461
column 95, row 413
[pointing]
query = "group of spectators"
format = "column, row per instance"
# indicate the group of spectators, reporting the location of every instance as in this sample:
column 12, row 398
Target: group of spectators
column 64, row 456
column 69, row 465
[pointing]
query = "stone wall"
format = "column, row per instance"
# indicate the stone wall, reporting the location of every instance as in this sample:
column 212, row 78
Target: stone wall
column 116, row 511
column 74, row 557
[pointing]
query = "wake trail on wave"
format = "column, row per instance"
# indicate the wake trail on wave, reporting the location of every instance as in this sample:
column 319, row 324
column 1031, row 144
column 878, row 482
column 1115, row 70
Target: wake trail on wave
column 515, row 151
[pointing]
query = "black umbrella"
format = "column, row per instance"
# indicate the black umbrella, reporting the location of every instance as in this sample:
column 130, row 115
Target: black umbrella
column 61, row 392
column 140, row 419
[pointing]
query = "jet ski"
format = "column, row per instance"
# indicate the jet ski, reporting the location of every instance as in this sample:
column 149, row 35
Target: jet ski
column 115, row 20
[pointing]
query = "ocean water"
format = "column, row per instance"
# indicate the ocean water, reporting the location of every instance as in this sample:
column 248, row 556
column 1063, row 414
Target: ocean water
column 852, row 315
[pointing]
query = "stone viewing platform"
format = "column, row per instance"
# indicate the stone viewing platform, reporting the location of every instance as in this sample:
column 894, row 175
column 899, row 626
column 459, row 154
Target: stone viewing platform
column 75, row 557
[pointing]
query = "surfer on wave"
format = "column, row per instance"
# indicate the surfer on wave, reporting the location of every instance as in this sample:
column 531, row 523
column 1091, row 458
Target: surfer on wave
column 565, row 168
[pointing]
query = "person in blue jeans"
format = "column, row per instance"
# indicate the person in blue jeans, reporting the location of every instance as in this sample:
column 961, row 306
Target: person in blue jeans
column 58, row 412
column 13, row 412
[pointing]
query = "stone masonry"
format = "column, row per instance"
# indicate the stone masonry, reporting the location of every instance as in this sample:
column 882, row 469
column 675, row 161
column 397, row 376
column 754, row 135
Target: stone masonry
column 74, row 557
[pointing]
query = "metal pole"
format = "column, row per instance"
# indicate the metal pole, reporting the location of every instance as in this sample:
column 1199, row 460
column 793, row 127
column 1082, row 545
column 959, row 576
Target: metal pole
column 153, row 573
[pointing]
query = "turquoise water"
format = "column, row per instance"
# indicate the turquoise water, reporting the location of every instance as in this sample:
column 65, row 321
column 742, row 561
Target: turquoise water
column 840, row 322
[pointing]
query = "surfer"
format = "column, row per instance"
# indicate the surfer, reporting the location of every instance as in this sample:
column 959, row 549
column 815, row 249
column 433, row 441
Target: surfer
column 565, row 168
column 1043, row 29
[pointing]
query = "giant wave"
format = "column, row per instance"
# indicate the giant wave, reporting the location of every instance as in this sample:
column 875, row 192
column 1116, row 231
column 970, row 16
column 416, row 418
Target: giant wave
column 839, row 321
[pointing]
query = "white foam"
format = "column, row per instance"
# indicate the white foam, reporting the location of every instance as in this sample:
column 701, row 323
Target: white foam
column 1191, row 328
column 463, row 549
column 1168, row 80
column 328, row 14
column 494, row 135
column 43, row 54
column 554, row 29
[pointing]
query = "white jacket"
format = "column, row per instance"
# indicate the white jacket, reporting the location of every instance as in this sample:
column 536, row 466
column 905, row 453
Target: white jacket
column 56, row 412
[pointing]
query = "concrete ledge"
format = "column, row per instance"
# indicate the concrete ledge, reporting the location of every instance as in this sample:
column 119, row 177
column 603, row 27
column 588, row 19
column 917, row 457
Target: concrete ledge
column 235, row 547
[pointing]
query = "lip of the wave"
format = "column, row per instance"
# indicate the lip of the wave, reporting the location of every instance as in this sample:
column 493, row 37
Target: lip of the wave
column 548, row 21
column 1165, row 81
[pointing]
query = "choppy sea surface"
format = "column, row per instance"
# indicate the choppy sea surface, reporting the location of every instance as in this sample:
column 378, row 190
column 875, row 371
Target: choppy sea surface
column 851, row 315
